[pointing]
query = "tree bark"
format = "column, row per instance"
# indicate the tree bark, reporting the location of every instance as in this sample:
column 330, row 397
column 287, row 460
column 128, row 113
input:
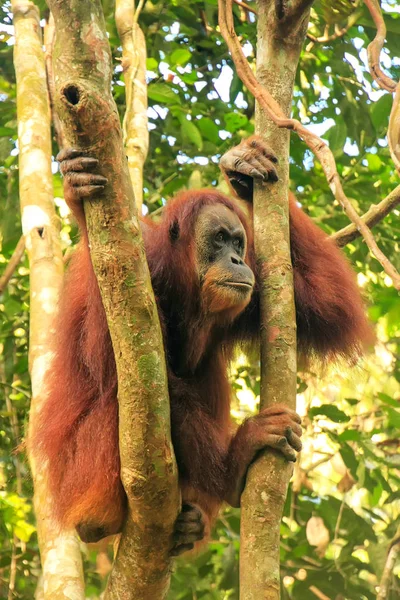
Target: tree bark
column 135, row 129
column 83, row 100
column 280, row 38
column 60, row 554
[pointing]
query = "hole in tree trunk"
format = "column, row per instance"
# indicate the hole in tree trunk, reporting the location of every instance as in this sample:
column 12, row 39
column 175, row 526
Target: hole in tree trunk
column 72, row 94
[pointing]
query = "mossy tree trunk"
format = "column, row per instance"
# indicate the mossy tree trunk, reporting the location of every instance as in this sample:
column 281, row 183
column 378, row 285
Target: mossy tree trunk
column 280, row 34
column 83, row 100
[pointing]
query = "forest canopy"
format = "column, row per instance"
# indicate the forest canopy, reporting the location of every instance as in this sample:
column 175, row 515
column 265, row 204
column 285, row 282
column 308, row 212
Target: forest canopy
column 341, row 518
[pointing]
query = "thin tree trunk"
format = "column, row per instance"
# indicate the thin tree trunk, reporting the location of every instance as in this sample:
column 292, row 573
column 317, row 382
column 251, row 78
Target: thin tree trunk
column 135, row 125
column 61, row 558
column 83, row 100
column 279, row 44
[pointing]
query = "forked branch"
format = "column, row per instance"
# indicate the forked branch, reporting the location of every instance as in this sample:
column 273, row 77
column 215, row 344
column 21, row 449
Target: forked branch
column 372, row 217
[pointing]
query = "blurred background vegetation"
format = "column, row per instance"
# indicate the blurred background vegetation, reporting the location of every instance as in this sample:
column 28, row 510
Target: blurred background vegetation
column 342, row 511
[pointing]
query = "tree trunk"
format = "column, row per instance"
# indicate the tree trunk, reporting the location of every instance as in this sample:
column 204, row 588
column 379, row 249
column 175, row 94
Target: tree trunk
column 83, row 100
column 135, row 126
column 60, row 554
column 280, row 38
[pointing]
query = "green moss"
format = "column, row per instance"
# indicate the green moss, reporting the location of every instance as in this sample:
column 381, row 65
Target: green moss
column 149, row 368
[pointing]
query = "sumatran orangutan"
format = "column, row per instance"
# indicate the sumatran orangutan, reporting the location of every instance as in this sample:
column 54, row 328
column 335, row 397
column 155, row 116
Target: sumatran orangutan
column 204, row 275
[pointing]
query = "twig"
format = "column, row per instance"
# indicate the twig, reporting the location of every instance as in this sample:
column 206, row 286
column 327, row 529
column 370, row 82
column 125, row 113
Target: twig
column 394, row 129
column 339, row 32
column 138, row 11
column 317, row 463
column 391, row 559
column 13, row 569
column 384, row 81
column 336, row 535
column 374, row 215
column 245, row 6
column 317, row 592
column 12, row 264
column 316, row 145
column 17, row 389
column 375, row 47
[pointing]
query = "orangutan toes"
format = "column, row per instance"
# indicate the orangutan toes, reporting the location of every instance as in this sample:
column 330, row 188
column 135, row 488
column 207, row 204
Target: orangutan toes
column 189, row 529
column 79, row 180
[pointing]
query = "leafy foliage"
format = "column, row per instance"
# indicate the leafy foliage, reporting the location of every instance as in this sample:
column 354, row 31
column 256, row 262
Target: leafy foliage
column 344, row 504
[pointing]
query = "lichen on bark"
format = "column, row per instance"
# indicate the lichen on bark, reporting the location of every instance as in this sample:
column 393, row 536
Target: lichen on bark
column 279, row 42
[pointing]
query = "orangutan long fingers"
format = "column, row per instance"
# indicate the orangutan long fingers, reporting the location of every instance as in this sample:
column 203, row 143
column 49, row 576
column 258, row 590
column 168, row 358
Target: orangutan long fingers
column 278, row 426
column 280, row 409
column 262, row 165
column 68, row 153
column 78, row 165
column 281, row 444
column 293, row 439
column 85, row 179
column 257, row 143
column 247, row 163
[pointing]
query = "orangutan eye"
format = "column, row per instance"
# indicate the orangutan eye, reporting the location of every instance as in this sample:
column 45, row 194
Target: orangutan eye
column 220, row 237
column 237, row 243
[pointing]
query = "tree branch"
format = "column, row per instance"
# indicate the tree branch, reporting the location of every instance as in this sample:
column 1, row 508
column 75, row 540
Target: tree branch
column 391, row 559
column 339, row 31
column 82, row 69
column 245, row 6
column 394, row 130
column 375, row 47
column 267, row 479
column 316, row 145
column 384, row 81
column 135, row 122
column 12, row 264
column 60, row 554
column 372, row 217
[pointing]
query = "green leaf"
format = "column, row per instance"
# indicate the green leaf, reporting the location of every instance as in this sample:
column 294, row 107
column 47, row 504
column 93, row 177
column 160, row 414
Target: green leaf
column 349, row 459
column 331, row 411
column 374, row 162
column 350, row 435
column 352, row 401
column 180, row 57
column 209, row 130
column 162, row 93
column 393, row 415
column 235, row 121
column 380, row 112
column 24, row 530
column 336, row 137
column 7, row 132
column 152, row 65
column 191, row 132
column 389, row 400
